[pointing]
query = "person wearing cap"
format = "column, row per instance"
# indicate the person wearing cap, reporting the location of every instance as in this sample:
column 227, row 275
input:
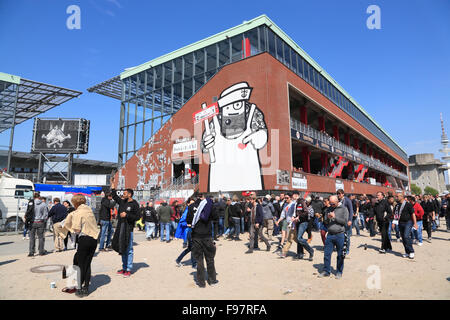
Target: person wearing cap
column 236, row 134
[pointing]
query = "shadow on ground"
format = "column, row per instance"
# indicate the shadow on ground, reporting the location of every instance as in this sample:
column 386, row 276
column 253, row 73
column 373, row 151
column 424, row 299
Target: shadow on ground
column 7, row 261
column 139, row 265
column 98, row 281
column 5, row 243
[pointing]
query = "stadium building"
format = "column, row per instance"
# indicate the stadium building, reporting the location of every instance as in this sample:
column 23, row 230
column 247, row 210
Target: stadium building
column 248, row 109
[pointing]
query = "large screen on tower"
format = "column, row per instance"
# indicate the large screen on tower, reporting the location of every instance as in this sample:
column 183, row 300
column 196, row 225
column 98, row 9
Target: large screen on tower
column 52, row 135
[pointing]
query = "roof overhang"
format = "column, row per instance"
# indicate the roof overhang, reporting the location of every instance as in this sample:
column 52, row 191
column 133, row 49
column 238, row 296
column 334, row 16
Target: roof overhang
column 22, row 99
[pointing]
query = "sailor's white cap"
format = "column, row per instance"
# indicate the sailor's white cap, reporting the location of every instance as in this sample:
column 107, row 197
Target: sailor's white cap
column 237, row 92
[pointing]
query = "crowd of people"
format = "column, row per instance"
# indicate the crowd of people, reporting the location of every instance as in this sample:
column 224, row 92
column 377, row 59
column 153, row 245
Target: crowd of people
column 200, row 221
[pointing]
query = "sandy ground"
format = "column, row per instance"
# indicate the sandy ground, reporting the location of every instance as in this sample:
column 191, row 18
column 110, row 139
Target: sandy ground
column 261, row 275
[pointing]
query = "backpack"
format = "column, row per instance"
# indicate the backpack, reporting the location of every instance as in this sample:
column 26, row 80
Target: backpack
column 29, row 214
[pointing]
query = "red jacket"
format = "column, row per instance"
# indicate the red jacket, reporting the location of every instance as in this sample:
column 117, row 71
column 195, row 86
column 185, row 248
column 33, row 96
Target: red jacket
column 418, row 211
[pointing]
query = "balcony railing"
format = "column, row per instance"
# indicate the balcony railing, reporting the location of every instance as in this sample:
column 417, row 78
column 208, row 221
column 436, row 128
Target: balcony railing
column 325, row 138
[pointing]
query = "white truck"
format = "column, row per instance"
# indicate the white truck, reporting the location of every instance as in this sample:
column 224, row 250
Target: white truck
column 14, row 197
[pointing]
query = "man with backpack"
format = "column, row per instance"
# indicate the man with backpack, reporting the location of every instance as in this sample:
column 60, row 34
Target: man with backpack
column 37, row 219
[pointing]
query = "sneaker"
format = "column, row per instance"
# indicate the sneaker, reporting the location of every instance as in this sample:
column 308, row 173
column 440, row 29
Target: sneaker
column 249, row 251
column 282, row 255
column 399, row 240
column 420, row 244
column 201, row 285
column 311, row 255
column 126, row 274
column 120, row 272
column 184, row 245
column 43, row 253
column 24, row 238
column 177, row 263
column 323, row 275
column 338, row 275
column 382, row 251
column 31, row 255
column 268, row 248
column 411, row 255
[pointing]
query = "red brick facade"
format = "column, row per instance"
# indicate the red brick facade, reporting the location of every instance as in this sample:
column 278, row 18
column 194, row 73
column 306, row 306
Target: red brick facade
column 270, row 80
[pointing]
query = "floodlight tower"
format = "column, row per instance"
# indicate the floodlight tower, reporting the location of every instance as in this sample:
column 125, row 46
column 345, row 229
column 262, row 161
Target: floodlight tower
column 445, row 149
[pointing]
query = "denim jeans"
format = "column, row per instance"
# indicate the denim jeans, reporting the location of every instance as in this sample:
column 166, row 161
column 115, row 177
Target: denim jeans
column 237, row 226
column 221, row 227
column 417, row 234
column 362, row 219
column 316, row 223
column 332, row 241
column 188, row 249
column 150, row 229
column 355, row 224
column 405, row 232
column 242, row 224
column 127, row 259
column 303, row 243
column 105, row 231
column 164, row 226
column 230, row 230
column 397, row 231
column 173, row 227
column 348, row 230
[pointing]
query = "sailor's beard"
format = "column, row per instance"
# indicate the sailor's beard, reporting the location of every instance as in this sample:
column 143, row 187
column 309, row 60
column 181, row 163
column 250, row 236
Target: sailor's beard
column 233, row 126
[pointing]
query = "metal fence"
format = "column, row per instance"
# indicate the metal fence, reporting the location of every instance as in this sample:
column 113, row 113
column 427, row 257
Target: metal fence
column 325, row 138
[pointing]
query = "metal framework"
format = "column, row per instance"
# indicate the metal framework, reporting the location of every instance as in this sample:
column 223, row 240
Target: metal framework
column 111, row 88
column 22, row 99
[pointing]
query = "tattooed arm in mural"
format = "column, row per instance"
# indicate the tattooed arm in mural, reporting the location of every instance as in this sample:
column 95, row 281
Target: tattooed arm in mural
column 258, row 137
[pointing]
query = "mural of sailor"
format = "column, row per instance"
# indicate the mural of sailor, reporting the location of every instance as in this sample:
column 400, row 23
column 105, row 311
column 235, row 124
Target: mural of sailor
column 236, row 135
column 56, row 136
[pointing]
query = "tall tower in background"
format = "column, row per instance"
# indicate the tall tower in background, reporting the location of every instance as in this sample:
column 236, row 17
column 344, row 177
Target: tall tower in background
column 445, row 150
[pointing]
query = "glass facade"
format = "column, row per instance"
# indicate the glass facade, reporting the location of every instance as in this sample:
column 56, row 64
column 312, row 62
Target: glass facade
column 152, row 96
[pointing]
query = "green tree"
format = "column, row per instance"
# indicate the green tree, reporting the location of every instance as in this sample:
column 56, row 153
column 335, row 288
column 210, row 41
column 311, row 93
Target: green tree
column 430, row 190
column 415, row 189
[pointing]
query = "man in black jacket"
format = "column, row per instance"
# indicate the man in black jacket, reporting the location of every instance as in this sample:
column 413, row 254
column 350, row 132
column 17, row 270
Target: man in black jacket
column 383, row 214
column 106, row 206
column 58, row 213
column 128, row 214
column 256, row 225
column 150, row 219
column 405, row 218
column 429, row 216
column 203, row 246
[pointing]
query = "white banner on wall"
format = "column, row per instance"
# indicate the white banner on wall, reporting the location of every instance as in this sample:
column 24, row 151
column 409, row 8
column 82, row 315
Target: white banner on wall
column 299, row 181
column 339, row 185
column 184, row 146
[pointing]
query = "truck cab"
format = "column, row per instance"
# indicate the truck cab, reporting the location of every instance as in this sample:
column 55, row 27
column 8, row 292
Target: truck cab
column 14, row 197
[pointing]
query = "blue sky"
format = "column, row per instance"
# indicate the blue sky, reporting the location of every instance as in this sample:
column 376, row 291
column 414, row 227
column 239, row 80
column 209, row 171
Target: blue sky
column 399, row 74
